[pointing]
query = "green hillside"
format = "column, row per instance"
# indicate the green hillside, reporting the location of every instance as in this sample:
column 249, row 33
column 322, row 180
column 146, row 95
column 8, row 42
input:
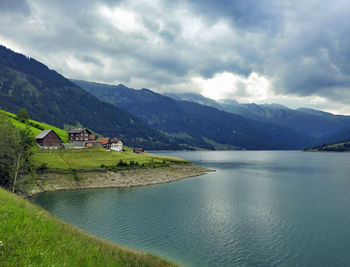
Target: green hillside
column 35, row 126
column 336, row 147
column 30, row 236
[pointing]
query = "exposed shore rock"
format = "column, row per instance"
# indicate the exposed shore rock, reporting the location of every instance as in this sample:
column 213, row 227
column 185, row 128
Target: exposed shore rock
column 124, row 178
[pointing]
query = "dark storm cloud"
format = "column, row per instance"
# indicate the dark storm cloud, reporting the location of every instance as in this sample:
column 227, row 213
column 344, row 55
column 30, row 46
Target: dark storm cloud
column 253, row 14
column 14, row 6
column 302, row 47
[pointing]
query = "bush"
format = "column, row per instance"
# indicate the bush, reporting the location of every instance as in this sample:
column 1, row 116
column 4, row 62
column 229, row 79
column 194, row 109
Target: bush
column 41, row 168
column 76, row 176
column 121, row 163
column 134, row 163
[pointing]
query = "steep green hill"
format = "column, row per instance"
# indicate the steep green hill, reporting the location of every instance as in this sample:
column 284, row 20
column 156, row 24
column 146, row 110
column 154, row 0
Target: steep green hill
column 48, row 96
column 35, row 126
column 30, row 236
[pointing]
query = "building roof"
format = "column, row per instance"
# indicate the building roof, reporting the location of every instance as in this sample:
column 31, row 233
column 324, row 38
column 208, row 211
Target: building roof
column 114, row 140
column 44, row 133
column 79, row 130
column 103, row 141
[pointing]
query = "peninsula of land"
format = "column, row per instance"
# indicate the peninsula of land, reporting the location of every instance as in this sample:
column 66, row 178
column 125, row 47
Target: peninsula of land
column 121, row 178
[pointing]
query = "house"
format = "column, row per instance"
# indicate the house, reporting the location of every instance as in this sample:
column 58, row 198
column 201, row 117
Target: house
column 92, row 137
column 104, row 142
column 138, row 150
column 80, row 135
column 116, row 144
column 48, row 139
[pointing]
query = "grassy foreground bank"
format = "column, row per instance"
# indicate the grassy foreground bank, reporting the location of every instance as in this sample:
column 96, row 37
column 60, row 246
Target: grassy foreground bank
column 30, row 236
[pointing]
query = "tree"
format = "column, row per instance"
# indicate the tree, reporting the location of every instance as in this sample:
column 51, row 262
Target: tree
column 22, row 115
column 15, row 161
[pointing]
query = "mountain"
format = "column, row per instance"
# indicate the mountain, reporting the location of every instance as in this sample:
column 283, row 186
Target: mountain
column 320, row 125
column 196, row 124
column 48, row 96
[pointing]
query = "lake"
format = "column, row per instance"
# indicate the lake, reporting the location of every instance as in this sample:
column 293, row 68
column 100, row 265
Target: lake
column 260, row 208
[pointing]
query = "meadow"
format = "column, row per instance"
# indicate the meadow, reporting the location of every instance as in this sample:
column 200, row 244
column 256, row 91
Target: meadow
column 94, row 158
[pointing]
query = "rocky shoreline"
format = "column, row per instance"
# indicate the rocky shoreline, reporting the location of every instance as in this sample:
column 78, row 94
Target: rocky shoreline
column 123, row 178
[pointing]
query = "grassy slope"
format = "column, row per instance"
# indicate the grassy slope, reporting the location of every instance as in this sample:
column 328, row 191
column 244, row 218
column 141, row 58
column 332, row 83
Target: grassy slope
column 32, row 237
column 91, row 158
column 336, row 147
column 35, row 131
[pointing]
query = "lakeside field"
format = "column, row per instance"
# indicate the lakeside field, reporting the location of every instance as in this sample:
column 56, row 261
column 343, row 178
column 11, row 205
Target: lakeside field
column 30, row 236
column 93, row 158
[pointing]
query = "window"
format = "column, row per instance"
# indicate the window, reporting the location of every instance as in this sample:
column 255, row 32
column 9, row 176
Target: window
column 76, row 138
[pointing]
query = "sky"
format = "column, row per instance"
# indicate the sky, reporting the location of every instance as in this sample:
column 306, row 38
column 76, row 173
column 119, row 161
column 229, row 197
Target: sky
column 295, row 53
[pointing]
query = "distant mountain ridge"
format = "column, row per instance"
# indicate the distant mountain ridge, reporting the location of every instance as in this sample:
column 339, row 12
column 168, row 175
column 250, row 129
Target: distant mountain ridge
column 319, row 124
column 197, row 124
column 49, row 97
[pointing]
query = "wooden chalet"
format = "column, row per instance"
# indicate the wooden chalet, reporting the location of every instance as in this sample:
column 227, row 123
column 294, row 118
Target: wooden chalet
column 80, row 135
column 48, row 139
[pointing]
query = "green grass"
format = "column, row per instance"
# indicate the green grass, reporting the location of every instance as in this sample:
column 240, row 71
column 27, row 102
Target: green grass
column 336, row 147
column 91, row 158
column 33, row 237
column 33, row 126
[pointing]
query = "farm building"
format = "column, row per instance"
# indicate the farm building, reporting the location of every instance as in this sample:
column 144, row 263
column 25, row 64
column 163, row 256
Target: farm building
column 116, row 144
column 48, row 139
column 104, row 142
column 80, row 135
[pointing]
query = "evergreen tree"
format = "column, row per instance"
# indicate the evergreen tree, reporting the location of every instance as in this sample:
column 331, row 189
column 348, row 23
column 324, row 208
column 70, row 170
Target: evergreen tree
column 22, row 115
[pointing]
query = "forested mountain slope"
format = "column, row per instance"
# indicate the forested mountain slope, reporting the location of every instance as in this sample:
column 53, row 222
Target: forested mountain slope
column 195, row 123
column 49, row 97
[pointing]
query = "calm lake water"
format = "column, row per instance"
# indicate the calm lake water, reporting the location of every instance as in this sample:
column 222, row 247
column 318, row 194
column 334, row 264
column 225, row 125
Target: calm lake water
column 260, row 208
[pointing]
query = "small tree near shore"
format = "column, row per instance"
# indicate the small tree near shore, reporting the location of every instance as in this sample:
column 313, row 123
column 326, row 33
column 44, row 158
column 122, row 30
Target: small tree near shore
column 15, row 160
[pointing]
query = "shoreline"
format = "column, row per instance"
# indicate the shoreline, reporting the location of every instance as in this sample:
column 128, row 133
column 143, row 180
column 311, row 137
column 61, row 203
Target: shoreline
column 48, row 182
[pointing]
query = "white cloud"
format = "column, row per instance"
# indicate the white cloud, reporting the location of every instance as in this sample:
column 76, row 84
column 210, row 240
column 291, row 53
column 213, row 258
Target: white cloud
column 254, row 88
column 120, row 18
